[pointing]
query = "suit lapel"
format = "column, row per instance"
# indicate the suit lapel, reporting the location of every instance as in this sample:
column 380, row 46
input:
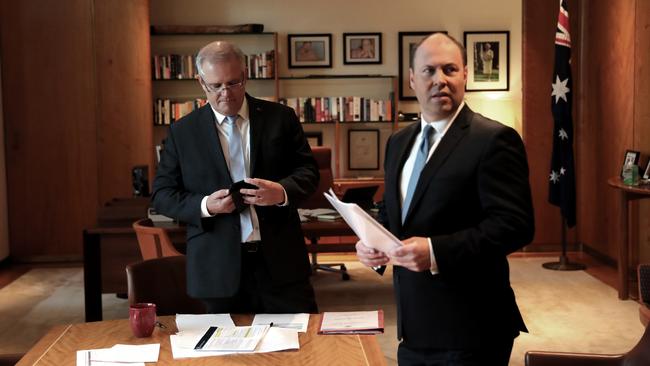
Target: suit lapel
column 208, row 132
column 256, row 125
column 454, row 135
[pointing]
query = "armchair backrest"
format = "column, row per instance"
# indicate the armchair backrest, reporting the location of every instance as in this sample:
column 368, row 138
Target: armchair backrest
column 153, row 241
column 162, row 281
column 323, row 156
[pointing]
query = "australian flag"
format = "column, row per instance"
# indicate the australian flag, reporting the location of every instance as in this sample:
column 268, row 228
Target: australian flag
column 562, row 184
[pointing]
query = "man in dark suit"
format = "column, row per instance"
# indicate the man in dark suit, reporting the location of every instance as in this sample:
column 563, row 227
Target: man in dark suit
column 457, row 195
column 249, row 257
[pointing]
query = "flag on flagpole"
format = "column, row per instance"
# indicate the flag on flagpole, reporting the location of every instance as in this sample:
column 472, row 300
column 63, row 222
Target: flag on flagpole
column 562, row 185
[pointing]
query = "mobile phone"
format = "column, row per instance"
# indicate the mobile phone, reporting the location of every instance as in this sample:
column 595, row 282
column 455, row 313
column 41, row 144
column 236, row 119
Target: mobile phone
column 237, row 197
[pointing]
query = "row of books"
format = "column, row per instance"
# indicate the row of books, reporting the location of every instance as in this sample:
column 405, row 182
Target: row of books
column 341, row 109
column 167, row 111
column 260, row 66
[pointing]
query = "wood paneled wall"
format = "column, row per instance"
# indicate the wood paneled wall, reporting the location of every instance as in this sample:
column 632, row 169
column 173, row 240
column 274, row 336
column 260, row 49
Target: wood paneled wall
column 610, row 61
column 69, row 91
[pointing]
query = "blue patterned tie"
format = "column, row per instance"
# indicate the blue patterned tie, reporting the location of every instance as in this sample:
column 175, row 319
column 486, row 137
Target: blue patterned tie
column 238, row 170
column 420, row 161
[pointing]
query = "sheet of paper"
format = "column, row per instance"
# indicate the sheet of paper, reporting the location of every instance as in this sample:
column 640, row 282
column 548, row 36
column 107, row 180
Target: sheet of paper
column 120, row 354
column 351, row 320
column 298, row 322
column 371, row 233
column 186, row 322
column 276, row 339
column 232, row 338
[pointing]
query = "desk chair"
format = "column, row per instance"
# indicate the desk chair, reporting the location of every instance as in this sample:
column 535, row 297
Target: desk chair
column 323, row 156
column 643, row 274
column 637, row 356
column 153, row 241
column 162, row 281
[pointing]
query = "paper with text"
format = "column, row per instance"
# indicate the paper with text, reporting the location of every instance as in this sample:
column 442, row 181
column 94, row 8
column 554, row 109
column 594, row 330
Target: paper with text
column 369, row 231
column 186, row 322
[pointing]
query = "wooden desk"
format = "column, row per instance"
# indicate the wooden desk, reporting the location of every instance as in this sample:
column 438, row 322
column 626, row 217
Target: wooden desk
column 107, row 251
column 628, row 194
column 59, row 346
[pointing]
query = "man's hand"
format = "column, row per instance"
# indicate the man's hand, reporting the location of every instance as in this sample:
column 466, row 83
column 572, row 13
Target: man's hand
column 413, row 255
column 268, row 193
column 369, row 256
column 220, row 202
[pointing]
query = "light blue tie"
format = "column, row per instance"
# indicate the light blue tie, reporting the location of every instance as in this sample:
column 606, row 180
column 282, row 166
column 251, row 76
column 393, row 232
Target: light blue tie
column 420, row 161
column 238, row 171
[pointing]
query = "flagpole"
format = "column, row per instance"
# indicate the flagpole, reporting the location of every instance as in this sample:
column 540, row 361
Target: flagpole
column 563, row 264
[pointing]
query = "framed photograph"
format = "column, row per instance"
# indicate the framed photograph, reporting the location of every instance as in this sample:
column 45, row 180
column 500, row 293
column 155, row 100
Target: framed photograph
column 646, row 173
column 407, row 42
column 314, row 138
column 488, row 59
column 633, row 156
column 363, row 149
column 361, row 48
column 310, row 50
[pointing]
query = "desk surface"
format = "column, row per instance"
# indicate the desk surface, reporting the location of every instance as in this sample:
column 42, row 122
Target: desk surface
column 59, row 346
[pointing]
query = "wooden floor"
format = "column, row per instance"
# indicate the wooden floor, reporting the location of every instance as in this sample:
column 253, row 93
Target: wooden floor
column 607, row 274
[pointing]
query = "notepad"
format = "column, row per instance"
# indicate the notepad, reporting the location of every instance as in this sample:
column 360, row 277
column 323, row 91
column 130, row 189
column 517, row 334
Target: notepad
column 352, row 322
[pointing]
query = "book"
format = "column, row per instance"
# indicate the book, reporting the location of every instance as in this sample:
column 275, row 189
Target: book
column 352, row 322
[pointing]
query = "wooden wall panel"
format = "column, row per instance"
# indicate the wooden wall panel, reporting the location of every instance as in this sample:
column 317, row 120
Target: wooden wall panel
column 124, row 113
column 605, row 130
column 540, row 19
column 49, row 116
column 642, row 114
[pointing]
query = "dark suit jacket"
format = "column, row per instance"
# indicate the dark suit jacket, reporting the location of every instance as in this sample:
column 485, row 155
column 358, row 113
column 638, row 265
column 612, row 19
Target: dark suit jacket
column 192, row 166
column 473, row 200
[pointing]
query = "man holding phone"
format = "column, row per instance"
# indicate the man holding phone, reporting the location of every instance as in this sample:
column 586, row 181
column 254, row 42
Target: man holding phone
column 245, row 247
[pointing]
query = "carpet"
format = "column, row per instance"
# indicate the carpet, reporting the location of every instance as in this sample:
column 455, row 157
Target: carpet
column 564, row 311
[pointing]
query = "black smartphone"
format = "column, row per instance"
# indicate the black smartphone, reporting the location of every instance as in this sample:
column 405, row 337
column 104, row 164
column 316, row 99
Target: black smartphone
column 237, row 197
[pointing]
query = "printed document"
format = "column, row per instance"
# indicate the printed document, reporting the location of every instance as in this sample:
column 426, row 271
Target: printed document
column 371, row 233
column 298, row 322
column 352, row 322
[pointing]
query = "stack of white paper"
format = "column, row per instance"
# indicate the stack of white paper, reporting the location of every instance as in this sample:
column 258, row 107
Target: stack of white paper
column 120, row 354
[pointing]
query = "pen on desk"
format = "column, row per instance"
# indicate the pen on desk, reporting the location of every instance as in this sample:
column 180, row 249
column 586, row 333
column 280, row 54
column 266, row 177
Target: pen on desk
column 271, row 325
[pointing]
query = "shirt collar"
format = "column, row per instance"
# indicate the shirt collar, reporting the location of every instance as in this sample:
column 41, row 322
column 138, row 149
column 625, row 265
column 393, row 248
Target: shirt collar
column 243, row 112
column 441, row 126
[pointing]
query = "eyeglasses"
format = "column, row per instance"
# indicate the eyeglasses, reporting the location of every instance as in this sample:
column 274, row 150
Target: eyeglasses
column 217, row 89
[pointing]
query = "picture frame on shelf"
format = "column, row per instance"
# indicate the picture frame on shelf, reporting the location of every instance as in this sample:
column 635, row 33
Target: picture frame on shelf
column 363, row 149
column 361, row 48
column 488, row 60
column 632, row 155
column 310, row 50
column 407, row 42
column 314, row 138
column 646, row 173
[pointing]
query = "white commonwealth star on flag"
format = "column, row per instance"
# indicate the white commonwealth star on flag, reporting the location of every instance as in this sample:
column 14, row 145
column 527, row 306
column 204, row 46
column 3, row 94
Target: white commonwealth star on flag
column 562, row 134
column 560, row 89
column 554, row 177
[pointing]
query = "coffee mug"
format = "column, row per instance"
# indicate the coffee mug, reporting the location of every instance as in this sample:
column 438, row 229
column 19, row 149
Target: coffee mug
column 142, row 318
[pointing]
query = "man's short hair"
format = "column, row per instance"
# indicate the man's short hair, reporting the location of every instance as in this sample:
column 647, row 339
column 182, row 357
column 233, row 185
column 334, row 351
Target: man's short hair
column 219, row 51
column 462, row 49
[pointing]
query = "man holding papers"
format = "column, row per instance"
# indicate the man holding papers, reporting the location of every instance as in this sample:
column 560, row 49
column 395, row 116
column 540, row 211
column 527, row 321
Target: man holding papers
column 457, row 195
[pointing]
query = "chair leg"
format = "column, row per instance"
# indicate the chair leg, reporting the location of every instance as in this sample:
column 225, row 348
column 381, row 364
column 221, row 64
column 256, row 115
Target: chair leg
column 329, row 267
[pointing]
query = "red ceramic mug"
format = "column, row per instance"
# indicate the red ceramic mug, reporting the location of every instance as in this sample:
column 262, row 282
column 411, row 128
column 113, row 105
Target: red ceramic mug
column 142, row 318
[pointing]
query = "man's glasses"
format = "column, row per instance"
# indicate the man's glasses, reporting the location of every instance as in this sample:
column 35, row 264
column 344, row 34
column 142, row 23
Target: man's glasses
column 217, row 89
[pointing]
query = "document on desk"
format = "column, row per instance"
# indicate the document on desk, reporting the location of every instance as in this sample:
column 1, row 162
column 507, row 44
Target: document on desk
column 352, row 322
column 298, row 322
column 371, row 233
column 185, row 322
column 119, row 354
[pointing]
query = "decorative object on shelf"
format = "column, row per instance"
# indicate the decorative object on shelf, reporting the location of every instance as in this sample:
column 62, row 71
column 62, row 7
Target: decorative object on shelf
column 314, row 138
column 407, row 42
column 310, row 50
column 361, row 48
column 488, row 60
column 363, row 149
column 646, row 174
column 631, row 158
column 207, row 29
